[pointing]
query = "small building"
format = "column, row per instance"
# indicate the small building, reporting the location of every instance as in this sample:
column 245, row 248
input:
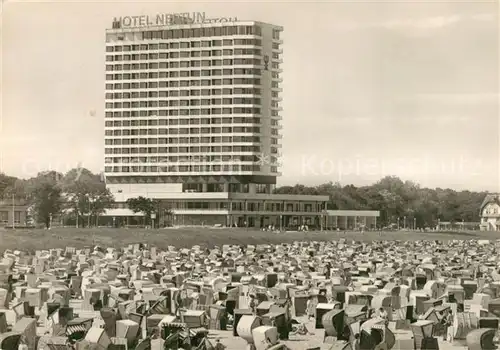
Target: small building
column 122, row 217
column 351, row 219
column 13, row 214
column 458, row 225
column 490, row 213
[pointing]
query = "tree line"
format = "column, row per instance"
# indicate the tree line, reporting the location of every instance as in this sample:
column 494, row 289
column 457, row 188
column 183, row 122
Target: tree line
column 395, row 198
column 83, row 196
column 79, row 194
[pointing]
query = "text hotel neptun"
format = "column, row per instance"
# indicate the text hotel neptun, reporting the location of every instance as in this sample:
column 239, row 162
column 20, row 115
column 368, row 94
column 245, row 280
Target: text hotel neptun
column 163, row 19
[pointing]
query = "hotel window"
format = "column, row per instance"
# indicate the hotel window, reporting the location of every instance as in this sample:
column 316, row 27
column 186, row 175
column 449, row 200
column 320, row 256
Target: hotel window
column 17, row 217
column 4, row 217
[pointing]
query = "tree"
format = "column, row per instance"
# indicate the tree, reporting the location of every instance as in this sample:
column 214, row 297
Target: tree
column 46, row 197
column 86, row 194
column 100, row 201
column 6, row 185
column 18, row 188
column 147, row 206
column 395, row 198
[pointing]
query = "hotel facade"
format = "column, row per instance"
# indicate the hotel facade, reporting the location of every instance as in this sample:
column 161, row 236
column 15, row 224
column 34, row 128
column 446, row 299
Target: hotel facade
column 193, row 118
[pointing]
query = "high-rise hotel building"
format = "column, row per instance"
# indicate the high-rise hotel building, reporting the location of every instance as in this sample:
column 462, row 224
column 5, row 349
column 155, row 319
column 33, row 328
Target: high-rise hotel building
column 193, row 117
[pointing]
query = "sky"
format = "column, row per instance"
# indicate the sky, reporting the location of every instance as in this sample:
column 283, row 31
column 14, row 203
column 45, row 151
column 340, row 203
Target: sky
column 370, row 89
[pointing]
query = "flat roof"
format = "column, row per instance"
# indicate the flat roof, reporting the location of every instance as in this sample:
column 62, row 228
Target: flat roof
column 278, row 197
column 374, row 213
column 151, row 25
column 122, row 197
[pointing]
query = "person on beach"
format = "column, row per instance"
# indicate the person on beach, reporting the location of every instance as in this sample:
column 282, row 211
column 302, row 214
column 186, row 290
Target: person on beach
column 252, row 305
column 383, row 314
column 310, row 307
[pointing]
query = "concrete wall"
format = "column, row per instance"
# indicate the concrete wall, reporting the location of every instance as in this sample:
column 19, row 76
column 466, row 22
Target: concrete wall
column 135, row 190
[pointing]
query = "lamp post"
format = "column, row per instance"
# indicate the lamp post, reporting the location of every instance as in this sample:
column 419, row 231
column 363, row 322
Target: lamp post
column 153, row 217
column 88, row 217
column 414, row 223
column 13, row 211
column 404, row 222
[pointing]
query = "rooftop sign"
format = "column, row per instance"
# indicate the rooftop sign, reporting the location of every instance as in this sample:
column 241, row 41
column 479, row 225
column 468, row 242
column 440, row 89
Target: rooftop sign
column 164, row 19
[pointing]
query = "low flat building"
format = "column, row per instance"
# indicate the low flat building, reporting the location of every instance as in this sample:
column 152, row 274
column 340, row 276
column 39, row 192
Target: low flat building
column 13, row 214
column 351, row 219
column 458, row 225
column 231, row 209
column 490, row 213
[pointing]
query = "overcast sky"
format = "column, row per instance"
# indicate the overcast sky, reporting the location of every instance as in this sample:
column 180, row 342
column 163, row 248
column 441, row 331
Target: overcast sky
column 370, row 88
